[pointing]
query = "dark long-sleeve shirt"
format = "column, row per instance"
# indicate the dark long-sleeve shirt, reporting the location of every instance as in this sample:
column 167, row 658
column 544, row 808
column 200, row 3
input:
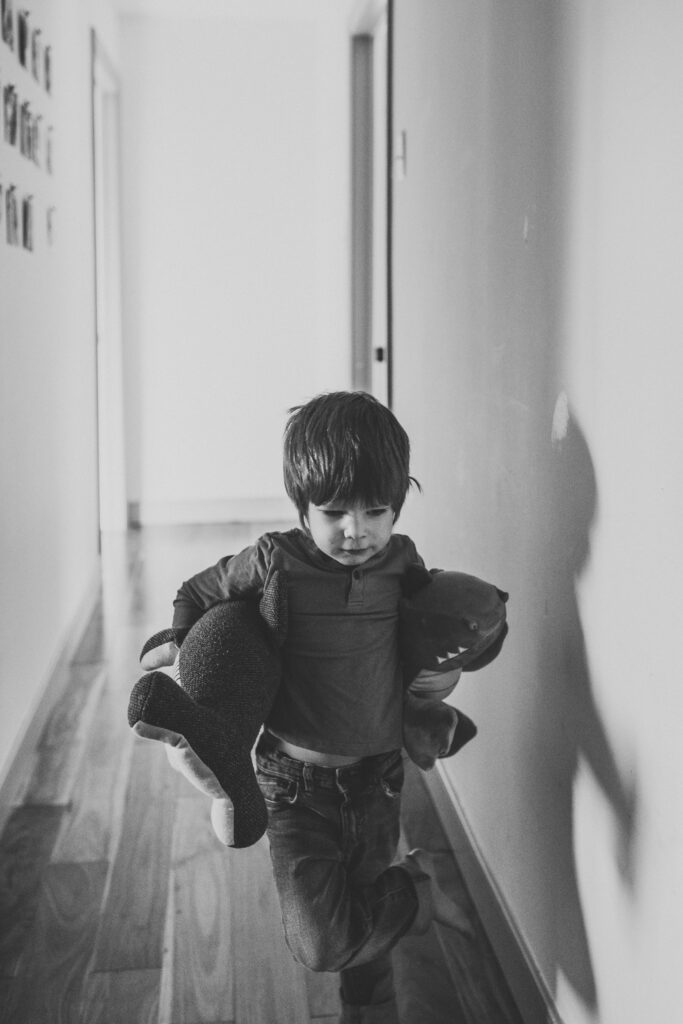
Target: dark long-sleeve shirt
column 342, row 688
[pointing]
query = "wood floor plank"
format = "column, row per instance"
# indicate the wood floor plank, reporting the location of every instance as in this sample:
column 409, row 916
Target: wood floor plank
column 61, row 745
column 25, row 848
column 269, row 986
column 424, row 989
column 48, row 987
column 120, row 997
column 199, row 961
column 420, row 823
column 91, row 649
column 481, row 994
column 477, row 977
column 95, row 814
column 133, row 920
column 323, row 994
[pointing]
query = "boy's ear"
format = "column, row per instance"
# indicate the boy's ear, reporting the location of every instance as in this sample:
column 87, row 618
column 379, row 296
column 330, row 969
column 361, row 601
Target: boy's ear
column 415, row 578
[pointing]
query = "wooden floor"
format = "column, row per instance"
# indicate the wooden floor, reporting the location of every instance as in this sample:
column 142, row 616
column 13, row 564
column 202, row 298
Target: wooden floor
column 117, row 903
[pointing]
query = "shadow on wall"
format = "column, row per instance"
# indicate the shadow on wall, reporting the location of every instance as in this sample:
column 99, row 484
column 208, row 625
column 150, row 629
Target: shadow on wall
column 568, row 724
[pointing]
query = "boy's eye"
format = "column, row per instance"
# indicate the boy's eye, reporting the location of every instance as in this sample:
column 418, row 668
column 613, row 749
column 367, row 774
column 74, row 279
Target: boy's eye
column 377, row 512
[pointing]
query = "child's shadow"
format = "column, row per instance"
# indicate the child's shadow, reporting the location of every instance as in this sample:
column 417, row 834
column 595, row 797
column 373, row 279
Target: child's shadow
column 569, row 726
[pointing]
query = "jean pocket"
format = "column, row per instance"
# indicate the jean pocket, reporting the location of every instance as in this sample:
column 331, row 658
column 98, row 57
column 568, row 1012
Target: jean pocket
column 392, row 779
column 278, row 791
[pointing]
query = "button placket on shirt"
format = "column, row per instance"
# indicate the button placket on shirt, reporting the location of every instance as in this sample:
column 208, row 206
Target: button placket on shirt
column 357, row 587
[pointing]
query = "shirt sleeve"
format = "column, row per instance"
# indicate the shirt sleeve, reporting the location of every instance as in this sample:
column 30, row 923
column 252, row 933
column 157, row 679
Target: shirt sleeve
column 232, row 578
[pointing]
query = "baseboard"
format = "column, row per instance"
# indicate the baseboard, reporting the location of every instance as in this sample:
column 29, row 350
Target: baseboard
column 219, row 510
column 532, row 997
column 18, row 769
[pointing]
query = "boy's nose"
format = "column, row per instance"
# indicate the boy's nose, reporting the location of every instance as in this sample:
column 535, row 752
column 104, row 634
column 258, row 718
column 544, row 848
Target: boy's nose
column 354, row 527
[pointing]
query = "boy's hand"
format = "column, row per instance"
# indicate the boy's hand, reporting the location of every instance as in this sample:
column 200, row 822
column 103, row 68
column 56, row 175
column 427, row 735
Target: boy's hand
column 160, row 657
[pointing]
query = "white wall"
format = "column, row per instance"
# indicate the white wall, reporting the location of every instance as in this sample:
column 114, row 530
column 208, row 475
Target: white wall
column 236, row 247
column 48, row 517
column 538, row 320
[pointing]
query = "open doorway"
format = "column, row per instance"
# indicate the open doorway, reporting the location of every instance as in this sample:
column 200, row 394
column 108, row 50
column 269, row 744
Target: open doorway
column 106, row 197
column 371, row 355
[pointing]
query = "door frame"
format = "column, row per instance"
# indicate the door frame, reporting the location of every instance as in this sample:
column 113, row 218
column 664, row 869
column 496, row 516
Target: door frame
column 105, row 104
column 371, row 148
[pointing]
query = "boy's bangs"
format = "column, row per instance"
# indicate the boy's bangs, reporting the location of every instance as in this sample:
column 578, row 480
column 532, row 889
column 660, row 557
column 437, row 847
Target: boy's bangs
column 351, row 484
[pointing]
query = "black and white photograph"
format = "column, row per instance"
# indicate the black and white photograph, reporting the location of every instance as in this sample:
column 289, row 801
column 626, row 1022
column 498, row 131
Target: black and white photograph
column 25, row 128
column 342, row 491
column 49, row 134
column 47, row 69
column 12, row 232
column 7, row 21
column 36, row 52
column 27, row 222
column 10, row 105
column 23, row 35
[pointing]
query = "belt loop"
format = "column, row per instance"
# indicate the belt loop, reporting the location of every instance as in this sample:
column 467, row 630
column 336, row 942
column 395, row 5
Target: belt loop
column 307, row 775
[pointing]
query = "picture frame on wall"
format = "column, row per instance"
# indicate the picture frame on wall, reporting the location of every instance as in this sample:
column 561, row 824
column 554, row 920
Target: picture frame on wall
column 27, row 223
column 35, row 53
column 25, row 121
column 10, row 106
column 47, row 69
column 36, row 134
column 23, row 37
column 12, row 215
column 7, row 15
column 49, row 149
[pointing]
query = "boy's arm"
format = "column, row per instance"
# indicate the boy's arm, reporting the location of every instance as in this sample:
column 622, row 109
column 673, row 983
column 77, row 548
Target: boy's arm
column 231, row 578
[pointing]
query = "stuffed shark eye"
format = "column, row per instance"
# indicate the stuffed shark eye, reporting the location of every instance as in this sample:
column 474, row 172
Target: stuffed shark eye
column 471, row 624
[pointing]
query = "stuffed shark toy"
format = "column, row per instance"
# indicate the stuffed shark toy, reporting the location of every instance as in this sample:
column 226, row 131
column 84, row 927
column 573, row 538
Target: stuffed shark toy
column 449, row 623
column 209, row 708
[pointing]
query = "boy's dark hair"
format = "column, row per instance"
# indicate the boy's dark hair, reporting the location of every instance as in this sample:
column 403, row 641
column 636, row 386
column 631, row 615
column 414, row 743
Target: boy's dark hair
column 346, row 446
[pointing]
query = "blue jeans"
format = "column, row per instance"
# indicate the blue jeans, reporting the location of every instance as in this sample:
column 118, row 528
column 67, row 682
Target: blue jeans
column 333, row 835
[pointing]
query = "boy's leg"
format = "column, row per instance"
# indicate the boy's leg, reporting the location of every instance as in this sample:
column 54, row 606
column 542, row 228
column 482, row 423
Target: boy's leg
column 367, row 993
column 332, row 834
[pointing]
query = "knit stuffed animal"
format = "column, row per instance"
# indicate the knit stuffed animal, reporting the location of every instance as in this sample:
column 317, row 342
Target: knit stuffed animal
column 229, row 665
column 229, row 670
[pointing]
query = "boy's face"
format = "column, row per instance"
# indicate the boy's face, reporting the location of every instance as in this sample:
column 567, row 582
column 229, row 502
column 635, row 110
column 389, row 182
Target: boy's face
column 350, row 533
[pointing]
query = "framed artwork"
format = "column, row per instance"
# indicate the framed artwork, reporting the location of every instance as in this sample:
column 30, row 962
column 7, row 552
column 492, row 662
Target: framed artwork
column 12, row 215
column 7, row 15
column 10, row 105
column 35, row 53
column 22, row 36
column 27, row 222
column 47, row 69
column 26, row 127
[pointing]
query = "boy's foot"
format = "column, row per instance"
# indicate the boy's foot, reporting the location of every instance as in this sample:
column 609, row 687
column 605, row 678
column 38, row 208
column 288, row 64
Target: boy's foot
column 435, row 904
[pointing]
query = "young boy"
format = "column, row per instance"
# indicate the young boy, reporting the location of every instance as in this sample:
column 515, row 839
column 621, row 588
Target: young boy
column 329, row 758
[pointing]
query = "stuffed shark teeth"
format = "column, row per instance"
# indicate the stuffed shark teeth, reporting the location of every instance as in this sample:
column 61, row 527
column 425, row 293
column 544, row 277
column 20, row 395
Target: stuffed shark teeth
column 450, row 655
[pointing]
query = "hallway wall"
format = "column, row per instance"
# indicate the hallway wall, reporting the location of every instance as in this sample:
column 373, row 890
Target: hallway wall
column 537, row 327
column 48, row 514
column 236, row 245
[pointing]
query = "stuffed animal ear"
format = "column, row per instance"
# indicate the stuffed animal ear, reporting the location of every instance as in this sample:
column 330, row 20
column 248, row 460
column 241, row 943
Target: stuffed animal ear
column 415, row 578
column 273, row 608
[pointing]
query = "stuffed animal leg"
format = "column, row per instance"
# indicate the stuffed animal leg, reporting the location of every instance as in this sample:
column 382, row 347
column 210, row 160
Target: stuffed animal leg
column 230, row 669
column 450, row 622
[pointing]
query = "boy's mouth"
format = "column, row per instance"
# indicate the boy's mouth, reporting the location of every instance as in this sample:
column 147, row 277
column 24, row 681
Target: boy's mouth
column 354, row 552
